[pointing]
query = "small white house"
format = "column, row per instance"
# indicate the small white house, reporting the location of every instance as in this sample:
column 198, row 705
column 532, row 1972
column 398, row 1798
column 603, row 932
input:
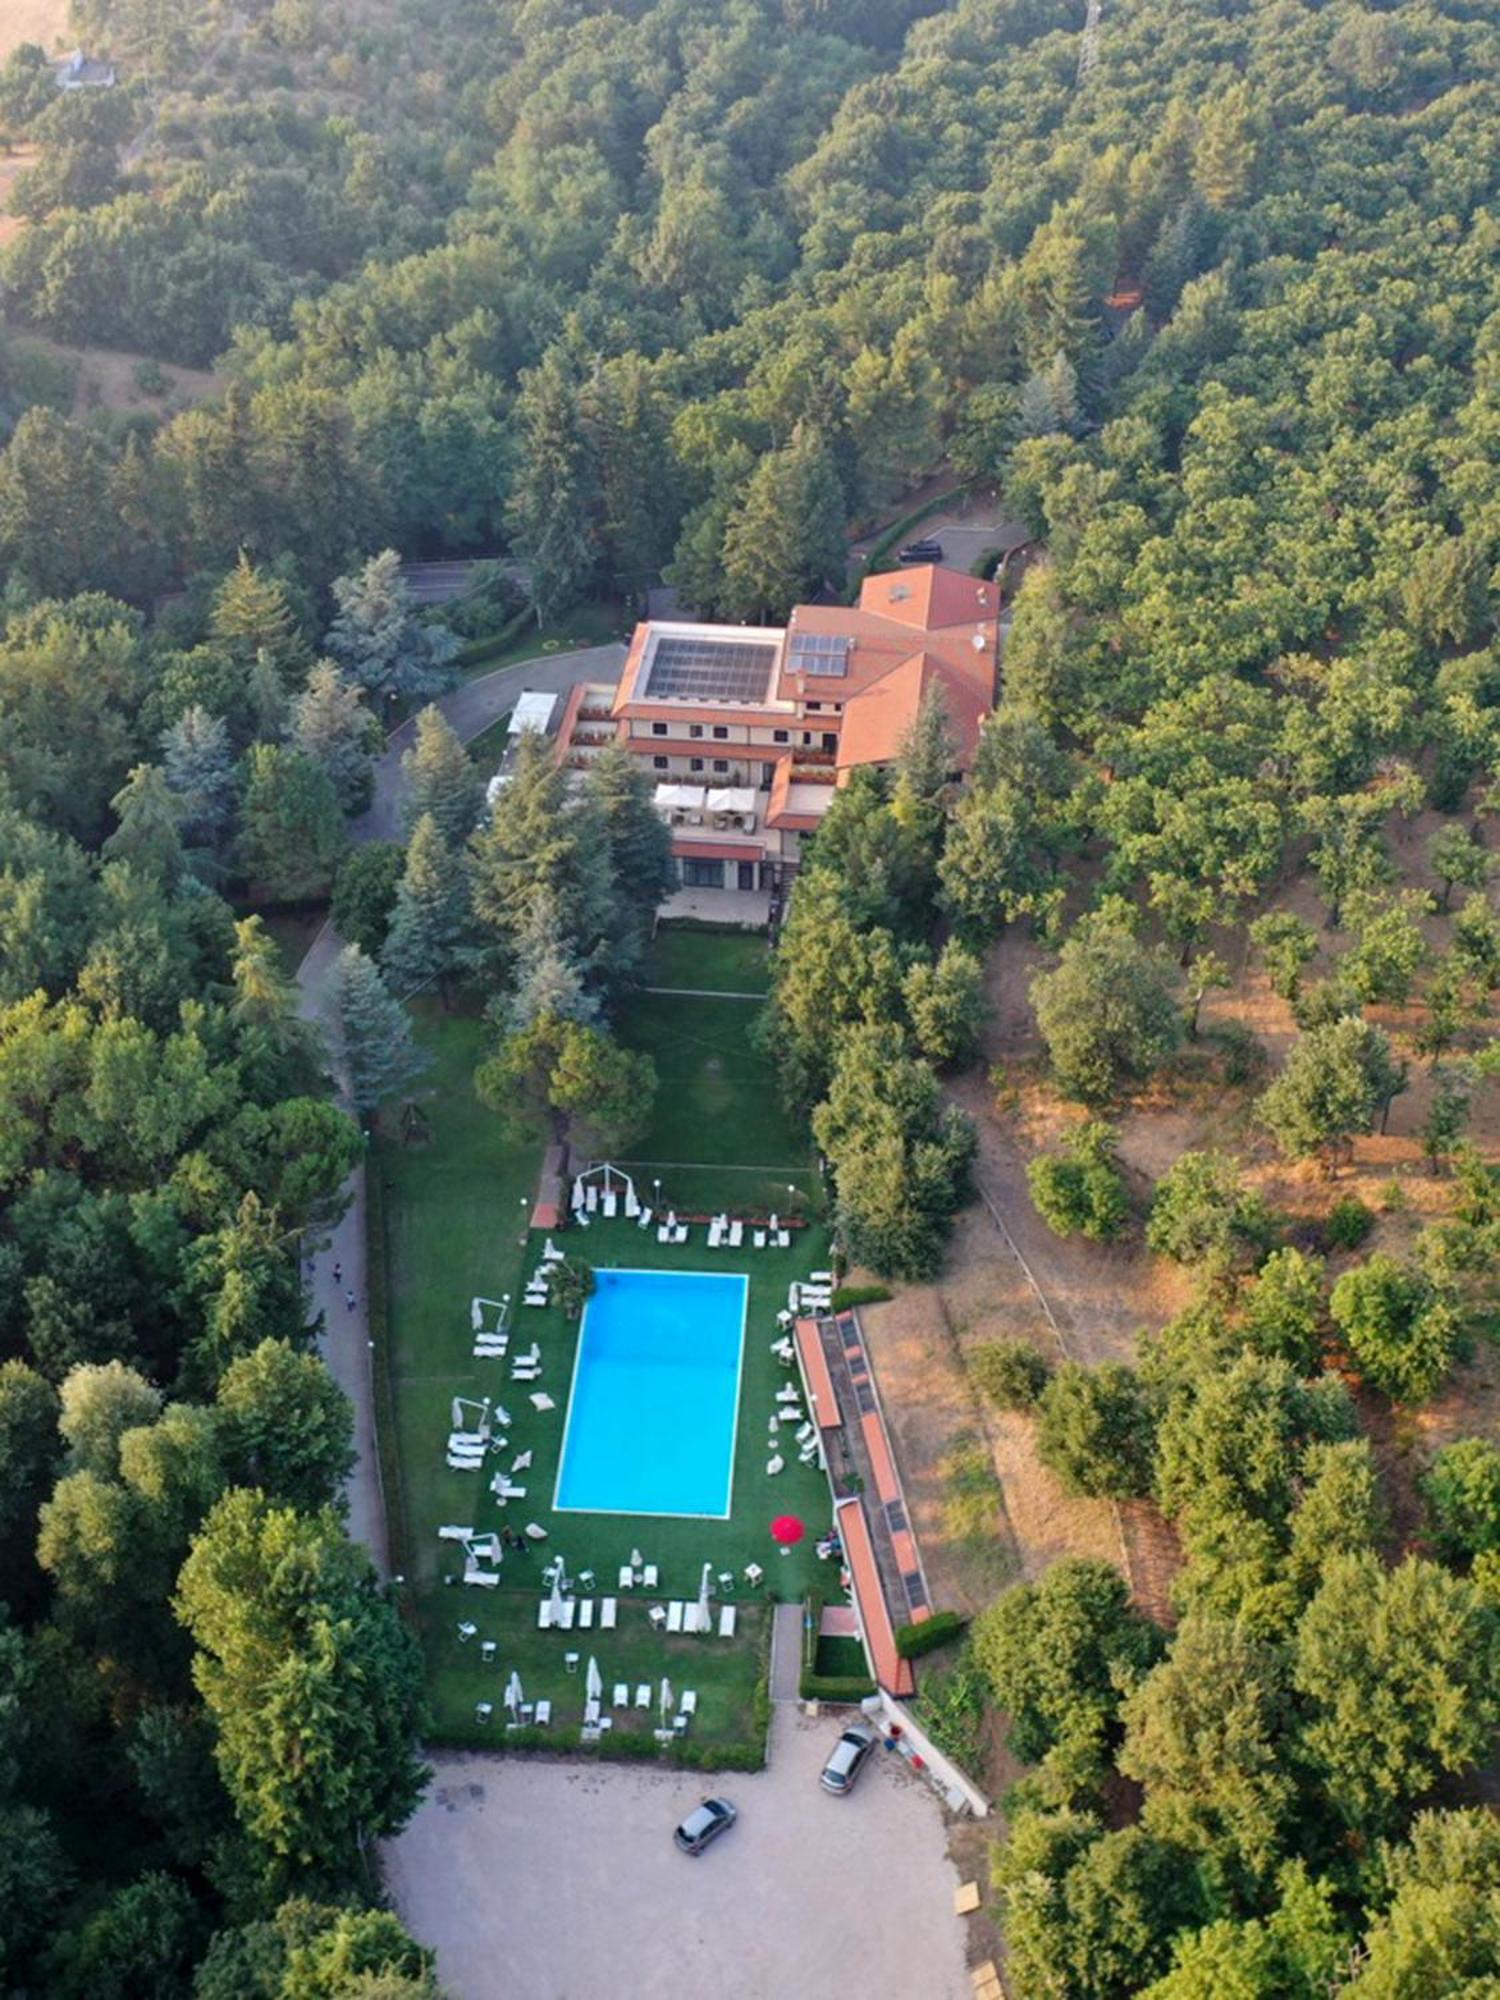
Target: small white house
column 81, row 72
column 531, row 716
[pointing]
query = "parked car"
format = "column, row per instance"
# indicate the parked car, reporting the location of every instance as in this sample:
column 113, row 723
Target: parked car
column 848, row 1759
column 705, row 1823
column 924, row 551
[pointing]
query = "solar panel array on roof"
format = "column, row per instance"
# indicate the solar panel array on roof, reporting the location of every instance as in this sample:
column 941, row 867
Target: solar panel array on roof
column 822, row 653
column 700, row 667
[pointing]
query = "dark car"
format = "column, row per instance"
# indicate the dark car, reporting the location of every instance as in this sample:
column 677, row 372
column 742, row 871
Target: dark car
column 705, row 1823
column 925, row 551
column 848, row 1759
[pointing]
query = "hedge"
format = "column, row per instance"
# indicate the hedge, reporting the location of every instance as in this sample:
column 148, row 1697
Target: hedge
column 941, row 1629
column 859, row 1295
column 835, row 1687
column 881, row 547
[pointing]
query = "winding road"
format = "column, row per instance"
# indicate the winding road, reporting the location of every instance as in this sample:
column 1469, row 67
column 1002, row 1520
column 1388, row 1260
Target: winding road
column 339, row 1268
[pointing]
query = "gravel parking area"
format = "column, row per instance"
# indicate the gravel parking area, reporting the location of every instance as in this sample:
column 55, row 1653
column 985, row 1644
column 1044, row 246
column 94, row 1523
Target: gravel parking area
column 556, row 1881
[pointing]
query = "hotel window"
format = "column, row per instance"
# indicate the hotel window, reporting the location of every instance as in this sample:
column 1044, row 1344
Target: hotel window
column 807, row 739
column 721, row 763
column 695, row 729
column 695, row 763
column 813, row 707
column 661, row 764
column 781, row 736
column 658, row 729
column 701, row 874
column 721, row 734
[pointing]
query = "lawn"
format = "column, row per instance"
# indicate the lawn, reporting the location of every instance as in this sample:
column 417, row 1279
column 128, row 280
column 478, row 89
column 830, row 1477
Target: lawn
column 455, row 1226
column 709, row 961
column 585, row 625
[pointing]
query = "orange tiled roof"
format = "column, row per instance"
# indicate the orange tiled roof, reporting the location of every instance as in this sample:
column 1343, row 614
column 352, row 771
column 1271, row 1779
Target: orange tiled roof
column 892, row 1672
column 875, row 725
column 930, row 597
column 815, row 1373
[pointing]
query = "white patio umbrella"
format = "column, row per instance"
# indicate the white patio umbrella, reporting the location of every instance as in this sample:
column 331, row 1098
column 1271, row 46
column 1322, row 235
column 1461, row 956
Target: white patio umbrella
column 578, row 1192
column 513, row 1695
column 703, row 1596
column 637, row 1560
column 668, row 1700
column 774, row 1223
column 593, row 1680
column 555, row 1601
column 522, row 1460
column 476, row 1315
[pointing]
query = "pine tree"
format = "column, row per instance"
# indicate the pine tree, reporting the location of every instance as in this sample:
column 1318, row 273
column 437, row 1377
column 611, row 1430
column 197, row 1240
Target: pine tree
column 547, row 982
column 540, row 839
column 554, row 495
column 373, row 1033
column 332, row 726
column 640, row 504
column 379, row 639
column 439, row 779
column 252, row 614
column 266, row 698
column 1224, row 159
column 199, row 769
column 785, row 539
column 148, row 835
column 429, row 926
column 291, row 828
column 640, row 854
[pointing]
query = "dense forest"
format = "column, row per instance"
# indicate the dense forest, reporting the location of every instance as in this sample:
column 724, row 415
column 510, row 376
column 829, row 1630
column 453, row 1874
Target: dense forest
column 687, row 290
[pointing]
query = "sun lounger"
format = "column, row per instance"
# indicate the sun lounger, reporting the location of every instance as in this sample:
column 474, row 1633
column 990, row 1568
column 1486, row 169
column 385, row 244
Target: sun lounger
column 591, row 1199
column 714, row 1234
column 643, row 1694
column 736, row 1235
column 657, row 1614
column 485, row 1548
column 462, row 1464
column 610, row 1205
column 535, row 1299
column 759, row 1239
column 643, row 1220
column 543, row 1714
column 627, row 1577
column 631, row 1204
column 486, row 1579
column 585, row 1614
column 689, row 1702
column 783, row 1239
column 542, row 1401
column 804, row 1432
column 774, row 1465
column 608, row 1610
column 544, row 1616
column 727, row 1617
column 551, row 1254
column 680, row 1233
column 621, row 1696
column 483, row 1710
column 535, row 1533
column 664, row 1234
column 450, row 1533
column 569, row 1612
column 675, row 1612
column 648, row 1576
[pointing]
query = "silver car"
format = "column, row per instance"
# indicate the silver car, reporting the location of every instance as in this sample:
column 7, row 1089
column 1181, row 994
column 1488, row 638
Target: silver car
column 705, row 1823
column 848, row 1759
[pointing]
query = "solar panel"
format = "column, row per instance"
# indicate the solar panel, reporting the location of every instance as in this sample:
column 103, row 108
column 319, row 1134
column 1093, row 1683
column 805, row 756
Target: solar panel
column 824, row 654
column 696, row 667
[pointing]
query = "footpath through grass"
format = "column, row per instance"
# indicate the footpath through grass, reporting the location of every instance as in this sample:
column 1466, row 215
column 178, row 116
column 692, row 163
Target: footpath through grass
column 456, row 1212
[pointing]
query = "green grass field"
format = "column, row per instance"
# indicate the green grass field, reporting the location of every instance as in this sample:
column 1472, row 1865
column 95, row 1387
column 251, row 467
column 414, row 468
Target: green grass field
column 709, row 961
column 455, row 1226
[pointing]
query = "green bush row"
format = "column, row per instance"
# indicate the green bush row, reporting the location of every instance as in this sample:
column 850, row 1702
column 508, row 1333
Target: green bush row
column 941, row 1629
column 835, row 1687
column 859, row 1295
column 377, row 1288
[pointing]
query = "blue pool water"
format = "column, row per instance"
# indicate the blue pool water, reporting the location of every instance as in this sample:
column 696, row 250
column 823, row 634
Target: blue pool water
column 656, row 1390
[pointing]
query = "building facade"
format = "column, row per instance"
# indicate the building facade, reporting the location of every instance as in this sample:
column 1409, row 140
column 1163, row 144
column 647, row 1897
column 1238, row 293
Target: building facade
column 749, row 730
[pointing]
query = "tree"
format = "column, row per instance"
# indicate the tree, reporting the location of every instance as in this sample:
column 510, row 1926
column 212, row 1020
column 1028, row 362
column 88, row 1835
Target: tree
column 1106, row 1012
column 1082, row 1187
column 945, row 1003
column 639, row 848
column 575, row 1073
column 98, row 1405
column 1205, row 1733
column 30, row 1450
column 291, row 823
column 1398, row 1668
column 1010, row 1372
column 35, row 1876
column 200, row 773
column 1097, row 1430
column 427, row 943
column 1285, row 1310
column 313, row 1951
column 1438, row 1934
column 1462, row 1491
column 1200, row 1214
column 1447, row 1116
column 554, row 498
column 1339, row 1510
column 1059, row 1655
column 285, row 1426
column 313, row 1682
column 333, row 729
column 1224, row 157
column 1401, row 1330
column 1389, row 947
column 1338, row 1080
column 144, row 1938
column 542, row 843
column 1297, row 1952
column 438, row 777
column 1287, row 944
column 379, row 639
column 785, row 537
column 1454, row 855
column 373, row 1031
column 253, row 618
column 364, row 894
column 148, row 834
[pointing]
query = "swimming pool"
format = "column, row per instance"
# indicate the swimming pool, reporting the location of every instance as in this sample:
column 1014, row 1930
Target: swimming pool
column 655, row 1397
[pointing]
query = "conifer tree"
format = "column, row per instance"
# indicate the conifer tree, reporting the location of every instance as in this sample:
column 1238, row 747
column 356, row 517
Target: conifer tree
column 374, row 1034
column 148, row 834
column 380, row 640
column 785, row 538
column 426, row 943
column 554, row 498
column 252, row 614
column 332, row 726
column 440, row 780
column 199, row 770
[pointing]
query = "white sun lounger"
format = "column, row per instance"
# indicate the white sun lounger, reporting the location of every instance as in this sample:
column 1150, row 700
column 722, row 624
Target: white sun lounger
column 485, row 1548
column 675, row 1612
column 689, row 1702
column 610, row 1205
column 821, row 1277
column 775, row 1464
column 727, row 1617
column 535, row 1532
column 783, row 1239
column 608, row 1609
column 643, row 1220
column 648, row 1576
column 621, row 1696
column 759, row 1239
column 462, row 1464
column 714, row 1233
column 542, row 1401
column 535, row 1299
column 543, row 1714
column 452, row 1533
column 591, row 1198
column 643, row 1694
column 487, row 1579
column 632, row 1205
column 551, row 1254
column 736, row 1235
column 544, row 1616
column 585, row 1614
column 664, row 1234
column 627, row 1577
column 680, row 1233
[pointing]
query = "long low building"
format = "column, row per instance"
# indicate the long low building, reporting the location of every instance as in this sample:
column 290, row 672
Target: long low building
column 750, row 729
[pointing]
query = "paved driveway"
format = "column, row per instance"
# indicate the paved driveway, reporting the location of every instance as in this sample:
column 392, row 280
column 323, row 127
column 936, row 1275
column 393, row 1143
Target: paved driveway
column 554, row 1881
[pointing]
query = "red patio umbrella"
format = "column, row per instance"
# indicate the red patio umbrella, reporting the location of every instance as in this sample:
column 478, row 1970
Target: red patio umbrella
column 786, row 1529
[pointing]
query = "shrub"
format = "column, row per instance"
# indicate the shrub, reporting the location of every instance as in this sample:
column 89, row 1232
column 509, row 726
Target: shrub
column 859, row 1295
column 1402, row 1331
column 1011, row 1373
column 1082, row 1187
column 1462, row 1492
column 1201, row 1215
column 849, row 1688
column 1347, row 1223
column 719, row 1756
column 941, row 1629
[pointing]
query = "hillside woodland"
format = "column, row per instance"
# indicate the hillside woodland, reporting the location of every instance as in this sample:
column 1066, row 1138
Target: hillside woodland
column 690, row 290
